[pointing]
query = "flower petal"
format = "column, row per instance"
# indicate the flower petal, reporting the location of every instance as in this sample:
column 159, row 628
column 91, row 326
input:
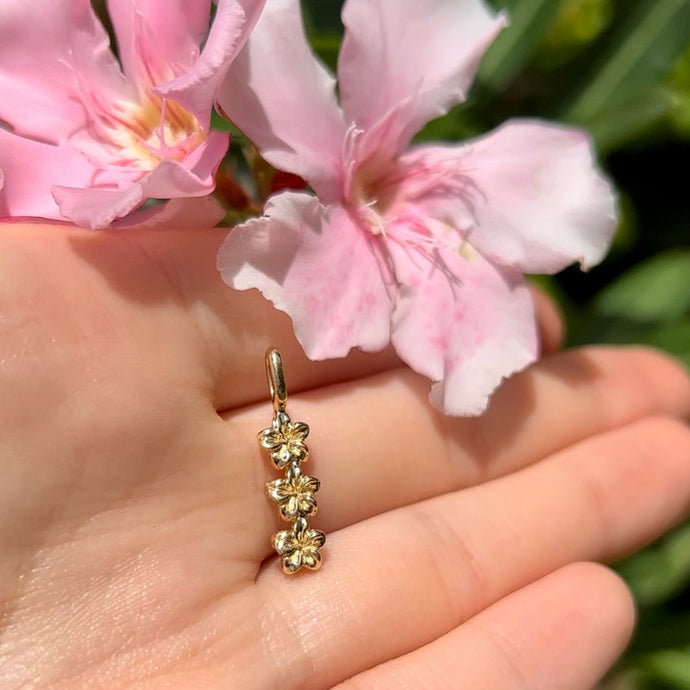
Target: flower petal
column 290, row 508
column 286, row 454
column 97, row 208
column 55, row 67
column 316, row 538
column 464, row 323
column 318, row 266
column 306, row 505
column 284, row 542
column 310, row 484
column 196, row 89
column 293, row 562
column 300, row 430
column 283, row 99
column 311, row 559
column 270, row 438
column 30, row 170
column 541, row 202
column 298, row 451
column 406, row 62
column 158, row 41
column 278, row 490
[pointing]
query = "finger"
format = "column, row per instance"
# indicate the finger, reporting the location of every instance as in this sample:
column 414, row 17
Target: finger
column 377, row 444
column 549, row 320
column 161, row 286
column 154, row 286
column 563, row 631
column 238, row 327
column 400, row 580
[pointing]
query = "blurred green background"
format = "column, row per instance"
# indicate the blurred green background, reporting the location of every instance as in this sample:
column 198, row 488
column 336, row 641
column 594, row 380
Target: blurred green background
column 620, row 68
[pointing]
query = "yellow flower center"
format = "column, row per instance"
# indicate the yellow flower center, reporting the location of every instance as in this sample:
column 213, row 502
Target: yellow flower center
column 154, row 130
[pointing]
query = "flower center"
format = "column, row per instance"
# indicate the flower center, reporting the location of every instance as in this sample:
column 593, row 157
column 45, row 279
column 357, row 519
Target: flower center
column 422, row 201
column 159, row 129
column 136, row 135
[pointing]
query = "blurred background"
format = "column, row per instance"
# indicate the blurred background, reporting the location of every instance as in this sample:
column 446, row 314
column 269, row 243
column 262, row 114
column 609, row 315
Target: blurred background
column 620, row 68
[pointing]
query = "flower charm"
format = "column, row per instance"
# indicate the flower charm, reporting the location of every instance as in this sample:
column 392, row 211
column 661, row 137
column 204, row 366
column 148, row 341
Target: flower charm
column 285, row 440
column 422, row 247
column 299, row 547
column 294, row 494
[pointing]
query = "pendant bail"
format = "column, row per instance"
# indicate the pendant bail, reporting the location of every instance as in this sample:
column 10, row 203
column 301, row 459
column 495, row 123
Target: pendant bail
column 276, row 380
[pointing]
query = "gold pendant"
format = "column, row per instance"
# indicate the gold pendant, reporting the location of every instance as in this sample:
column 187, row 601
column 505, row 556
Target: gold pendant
column 298, row 547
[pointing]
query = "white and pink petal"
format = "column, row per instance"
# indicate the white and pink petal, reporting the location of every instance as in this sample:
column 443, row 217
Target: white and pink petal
column 158, row 41
column 30, row 169
column 540, row 202
column 314, row 263
column 196, row 89
column 56, row 68
column 406, row 62
column 462, row 322
column 96, row 208
column 284, row 100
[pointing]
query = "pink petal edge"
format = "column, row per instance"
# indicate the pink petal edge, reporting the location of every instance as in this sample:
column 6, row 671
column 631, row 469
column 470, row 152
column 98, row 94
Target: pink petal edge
column 391, row 81
column 466, row 327
column 196, row 89
column 55, row 67
column 158, row 41
column 541, row 202
column 314, row 264
column 300, row 135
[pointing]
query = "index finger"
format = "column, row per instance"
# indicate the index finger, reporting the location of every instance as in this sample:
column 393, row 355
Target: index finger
column 160, row 286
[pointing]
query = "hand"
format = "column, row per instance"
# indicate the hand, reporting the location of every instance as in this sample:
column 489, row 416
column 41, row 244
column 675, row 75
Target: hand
column 135, row 530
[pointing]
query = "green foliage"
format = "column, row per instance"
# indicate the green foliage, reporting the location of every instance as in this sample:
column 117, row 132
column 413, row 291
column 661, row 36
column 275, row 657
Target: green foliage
column 516, row 45
column 654, row 290
column 621, row 68
column 644, row 47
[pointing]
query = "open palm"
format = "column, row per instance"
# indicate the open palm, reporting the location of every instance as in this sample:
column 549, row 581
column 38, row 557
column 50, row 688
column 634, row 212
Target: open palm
column 135, row 528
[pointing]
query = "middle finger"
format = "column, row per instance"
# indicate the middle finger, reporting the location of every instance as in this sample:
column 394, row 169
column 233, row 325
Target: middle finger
column 377, row 444
column 400, row 580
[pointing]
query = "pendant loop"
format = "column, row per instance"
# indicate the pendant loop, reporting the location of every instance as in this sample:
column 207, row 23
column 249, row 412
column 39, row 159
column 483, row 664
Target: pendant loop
column 276, row 379
column 298, row 547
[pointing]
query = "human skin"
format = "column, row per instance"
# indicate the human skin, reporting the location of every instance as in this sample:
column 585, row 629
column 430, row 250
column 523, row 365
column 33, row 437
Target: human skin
column 135, row 529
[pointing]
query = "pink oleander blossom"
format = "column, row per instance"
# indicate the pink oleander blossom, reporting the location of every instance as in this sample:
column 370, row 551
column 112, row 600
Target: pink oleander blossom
column 90, row 139
column 424, row 246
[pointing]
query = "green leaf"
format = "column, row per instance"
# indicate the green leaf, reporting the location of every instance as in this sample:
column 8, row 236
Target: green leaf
column 220, row 124
column 672, row 336
column 621, row 122
column 646, row 46
column 327, row 48
column 660, row 572
column 672, row 667
column 655, row 290
column 529, row 21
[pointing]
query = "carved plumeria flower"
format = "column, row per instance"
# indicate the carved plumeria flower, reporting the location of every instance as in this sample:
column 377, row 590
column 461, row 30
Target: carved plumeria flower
column 299, row 546
column 285, row 440
column 294, row 494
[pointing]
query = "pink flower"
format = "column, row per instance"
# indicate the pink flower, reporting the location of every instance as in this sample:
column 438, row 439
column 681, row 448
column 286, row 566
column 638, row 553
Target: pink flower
column 421, row 246
column 88, row 140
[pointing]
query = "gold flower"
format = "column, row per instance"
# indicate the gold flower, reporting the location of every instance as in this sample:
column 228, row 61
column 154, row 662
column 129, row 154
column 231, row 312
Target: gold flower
column 299, row 547
column 285, row 440
column 294, row 494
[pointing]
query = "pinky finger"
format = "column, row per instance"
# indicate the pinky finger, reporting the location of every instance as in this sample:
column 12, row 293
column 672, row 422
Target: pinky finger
column 562, row 632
